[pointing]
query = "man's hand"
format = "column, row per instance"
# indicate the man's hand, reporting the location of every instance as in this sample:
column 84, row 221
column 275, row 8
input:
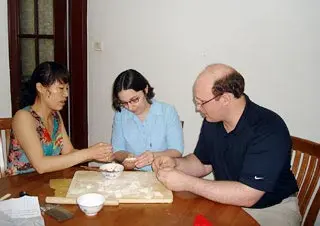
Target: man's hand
column 162, row 162
column 173, row 179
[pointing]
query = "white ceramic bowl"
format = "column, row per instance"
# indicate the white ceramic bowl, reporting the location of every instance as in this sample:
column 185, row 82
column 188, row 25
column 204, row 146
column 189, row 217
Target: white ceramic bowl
column 91, row 203
column 111, row 170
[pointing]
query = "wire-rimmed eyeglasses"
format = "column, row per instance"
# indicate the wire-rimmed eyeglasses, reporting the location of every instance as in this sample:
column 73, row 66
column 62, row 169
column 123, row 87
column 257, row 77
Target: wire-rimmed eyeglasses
column 134, row 100
column 207, row 101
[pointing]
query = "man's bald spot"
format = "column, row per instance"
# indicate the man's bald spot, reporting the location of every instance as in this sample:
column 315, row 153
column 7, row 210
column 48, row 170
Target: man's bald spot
column 217, row 71
column 212, row 73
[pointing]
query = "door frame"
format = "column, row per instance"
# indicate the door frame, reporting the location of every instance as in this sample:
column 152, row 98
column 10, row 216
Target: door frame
column 78, row 70
column 77, row 9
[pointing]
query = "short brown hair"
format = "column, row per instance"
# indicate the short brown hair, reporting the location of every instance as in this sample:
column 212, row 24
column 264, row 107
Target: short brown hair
column 231, row 83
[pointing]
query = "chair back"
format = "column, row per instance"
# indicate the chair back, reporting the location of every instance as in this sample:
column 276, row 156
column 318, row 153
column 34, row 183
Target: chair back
column 306, row 168
column 5, row 129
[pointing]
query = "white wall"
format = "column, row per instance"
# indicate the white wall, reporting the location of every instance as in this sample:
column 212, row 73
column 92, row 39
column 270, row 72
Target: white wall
column 274, row 44
column 5, row 98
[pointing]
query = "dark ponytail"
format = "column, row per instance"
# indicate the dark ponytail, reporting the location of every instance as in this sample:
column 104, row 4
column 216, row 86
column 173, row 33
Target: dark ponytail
column 28, row 94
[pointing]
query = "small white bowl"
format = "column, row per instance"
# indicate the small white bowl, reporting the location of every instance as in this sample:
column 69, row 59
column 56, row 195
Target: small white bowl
column 111, row 170
column 91, row 203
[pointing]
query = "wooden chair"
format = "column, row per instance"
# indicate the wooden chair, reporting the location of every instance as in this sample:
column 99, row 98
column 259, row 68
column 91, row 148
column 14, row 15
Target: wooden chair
column 5, row 129
column 306, row 168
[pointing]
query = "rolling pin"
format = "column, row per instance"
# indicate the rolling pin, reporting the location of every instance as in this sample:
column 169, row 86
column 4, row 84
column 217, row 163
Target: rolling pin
column 63, row 200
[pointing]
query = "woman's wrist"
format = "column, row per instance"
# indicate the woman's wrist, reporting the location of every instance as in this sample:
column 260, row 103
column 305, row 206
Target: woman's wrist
column 154, row 155
column 85, row 154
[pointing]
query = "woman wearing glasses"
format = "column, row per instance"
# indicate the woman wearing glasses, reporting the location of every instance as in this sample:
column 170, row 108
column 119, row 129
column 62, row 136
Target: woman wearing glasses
column 143, row 128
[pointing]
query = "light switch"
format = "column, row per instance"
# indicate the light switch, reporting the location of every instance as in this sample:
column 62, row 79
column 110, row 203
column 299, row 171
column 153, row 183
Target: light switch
column 97, row 46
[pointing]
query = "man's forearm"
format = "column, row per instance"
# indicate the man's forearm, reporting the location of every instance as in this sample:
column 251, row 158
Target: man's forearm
column 227, row 192
column 192, row 166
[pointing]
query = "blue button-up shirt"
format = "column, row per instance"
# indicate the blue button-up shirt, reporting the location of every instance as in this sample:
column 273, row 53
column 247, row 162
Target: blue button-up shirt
column 161, row 130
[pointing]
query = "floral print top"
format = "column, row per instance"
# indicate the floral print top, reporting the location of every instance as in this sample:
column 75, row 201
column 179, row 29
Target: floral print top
column 18, row 162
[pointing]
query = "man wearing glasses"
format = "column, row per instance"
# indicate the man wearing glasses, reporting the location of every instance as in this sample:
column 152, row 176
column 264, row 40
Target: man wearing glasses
column 246, row 146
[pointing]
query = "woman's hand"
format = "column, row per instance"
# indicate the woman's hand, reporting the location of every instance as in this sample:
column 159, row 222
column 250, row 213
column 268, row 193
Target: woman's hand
column 129, row 163
column 101, row 152
column 145, row 159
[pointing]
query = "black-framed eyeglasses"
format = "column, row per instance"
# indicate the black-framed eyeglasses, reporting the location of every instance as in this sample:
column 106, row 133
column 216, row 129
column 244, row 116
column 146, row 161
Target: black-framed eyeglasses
column 207, row 101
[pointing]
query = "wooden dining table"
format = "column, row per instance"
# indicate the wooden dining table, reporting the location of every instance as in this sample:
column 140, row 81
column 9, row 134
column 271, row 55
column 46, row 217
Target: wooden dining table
column 183, row 211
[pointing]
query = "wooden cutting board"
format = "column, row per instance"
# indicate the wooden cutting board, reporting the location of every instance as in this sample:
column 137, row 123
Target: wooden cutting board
column 60, row 186
column 130, row 187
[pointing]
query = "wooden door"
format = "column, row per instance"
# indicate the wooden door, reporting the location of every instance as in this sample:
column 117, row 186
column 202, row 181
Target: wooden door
column 46, row 30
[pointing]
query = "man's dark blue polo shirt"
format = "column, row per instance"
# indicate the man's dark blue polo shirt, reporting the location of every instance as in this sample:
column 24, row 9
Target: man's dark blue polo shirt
column 256, row 153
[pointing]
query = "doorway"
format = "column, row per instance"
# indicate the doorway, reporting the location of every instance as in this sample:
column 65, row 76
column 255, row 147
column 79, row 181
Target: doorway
column 47, row 30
